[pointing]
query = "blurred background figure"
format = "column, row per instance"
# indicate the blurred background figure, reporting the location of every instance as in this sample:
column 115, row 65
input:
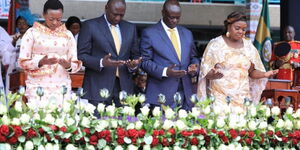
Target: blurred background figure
column 73, row 24
column 140, row 82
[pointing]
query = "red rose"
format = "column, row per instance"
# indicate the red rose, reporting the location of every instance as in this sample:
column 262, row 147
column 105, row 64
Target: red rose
column 197, row 132
column 63, row 129
column 41, row 131
column 75, row 132
column 2, row 139
column 18, row 131
column 107, row 133
column 101, row 134
column 270, row 133
column 13, row 140
column 278, row 133
column 121, row 132
column 248, row 141
column 291, row 135
column 133, row 133
column 142, row 133
column 53, row 127
column 57, row 137
column 133, row 140
column 194, row 141
column 285, row 139
column 93, row 140
column 207, row 139
column 155, row 133
column 165, row 142
column 251, row 134
column 186, row 133
column 295, row 141
column 274, row 141
column 221, row 134
column 214, row 131
column 161, row 132
column 172, row 131
column 66, row 140
column 224, row 139
column 120, row 141
column 233, row 133
column 31, row 133
column 154, row 141
column 243, row 133
column 262, row 139
column 48, row 137
column 297, row 134
column 108, row 139
column 87, row 131
column 4, row 130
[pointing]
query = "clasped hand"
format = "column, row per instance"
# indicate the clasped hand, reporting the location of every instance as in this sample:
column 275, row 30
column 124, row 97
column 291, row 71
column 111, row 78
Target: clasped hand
column 214, row 73
column 108, row 62
column 50, row 61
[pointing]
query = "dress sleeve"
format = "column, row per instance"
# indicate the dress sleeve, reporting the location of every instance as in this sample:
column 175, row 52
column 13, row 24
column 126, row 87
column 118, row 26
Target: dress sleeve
column 27, row 60
column 72, row 54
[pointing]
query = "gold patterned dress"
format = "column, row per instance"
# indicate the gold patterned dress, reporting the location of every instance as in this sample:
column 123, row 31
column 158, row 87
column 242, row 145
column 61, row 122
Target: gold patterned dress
column 40, row 41
column 234, row 64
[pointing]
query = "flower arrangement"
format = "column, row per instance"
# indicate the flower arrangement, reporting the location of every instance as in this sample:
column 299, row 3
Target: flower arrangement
column 73, row 126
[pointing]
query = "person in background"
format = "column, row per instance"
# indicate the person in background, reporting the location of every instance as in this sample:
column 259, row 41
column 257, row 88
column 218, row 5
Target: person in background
column 73, row 24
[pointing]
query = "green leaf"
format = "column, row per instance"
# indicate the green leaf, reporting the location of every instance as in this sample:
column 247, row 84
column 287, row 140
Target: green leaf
column 21, row 139
column 71, row 129
column 101, row 144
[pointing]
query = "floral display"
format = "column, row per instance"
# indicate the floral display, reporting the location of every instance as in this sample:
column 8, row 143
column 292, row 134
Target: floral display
column 74, row 125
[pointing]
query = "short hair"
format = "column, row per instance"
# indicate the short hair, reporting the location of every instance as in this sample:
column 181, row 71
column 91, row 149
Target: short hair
column 111, row 1
column 53, row 4
column 170, row 2
column 19, row 18
column 71, row 20
column 234, row 17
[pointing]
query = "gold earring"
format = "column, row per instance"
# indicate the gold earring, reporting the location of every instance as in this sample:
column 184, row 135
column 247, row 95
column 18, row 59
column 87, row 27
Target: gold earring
column 227, row 34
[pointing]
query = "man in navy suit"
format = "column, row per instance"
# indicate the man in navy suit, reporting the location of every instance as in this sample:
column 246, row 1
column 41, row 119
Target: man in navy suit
column 108, row 48
column 169, row 58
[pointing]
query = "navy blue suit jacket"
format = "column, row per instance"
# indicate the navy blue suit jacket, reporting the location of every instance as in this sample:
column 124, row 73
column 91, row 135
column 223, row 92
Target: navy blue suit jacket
column 158, row 52
column 94, row 42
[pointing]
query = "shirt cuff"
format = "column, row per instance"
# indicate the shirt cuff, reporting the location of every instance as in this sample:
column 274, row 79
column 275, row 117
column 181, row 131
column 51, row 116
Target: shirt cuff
column 101, row 65
column 164, row 74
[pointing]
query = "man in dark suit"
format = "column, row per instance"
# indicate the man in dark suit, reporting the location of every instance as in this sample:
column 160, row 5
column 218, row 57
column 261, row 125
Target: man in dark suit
column 108, row 48
column 169, row 58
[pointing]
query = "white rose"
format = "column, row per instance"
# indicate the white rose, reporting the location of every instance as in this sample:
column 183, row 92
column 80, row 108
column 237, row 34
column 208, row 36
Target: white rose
column 275, row 110
column 145, row 110
column 156, row 124
column 182, row 114
column 195, row 112
column 74, row 96
column 227, row 109
column 41, row 147
column 100, row 107
column 49, row 146
column 29, row 145
column 278, row 148
column 3, row 109
column 288, row 124
column 25, row 118
column 138, row 125
column 242, row 122
column 66, row 107
column 263, row 125
column 156, row 112
column 253, row 111
column 49, row 119
column 18, row 106
column 106, row 148
column 220, row 123
column 70, row 121
column 132, row 147
column 130, row 126
column 280, row 123
column 110, row 110
column 268, row 112
column 119, row 147
column 90, row 147
column 217, row 110
column 55, row 147
column 298, row 124
column 297, row 113
column 128, row 111
column 59, row 122
column 232, row 124
column 252, row 125
column 104, row 93
column 5, row 120
column 142, row 98
column 36, row 116
column 202, row 148
column 169, row 113
column 85, row 122
column 7, row 146
column 231, row 147
column 289, row 111
column 210, row 124
column 167, row 124
column 71, row 147
column 246, row 148
column 181, row 125
column 114, row 123
column 19, row 147
column 166, row 148
column 196, row 127
column 222, row 147
column 206, row 110
column 176, row 148
column 146, row 147
column 31, row 105
column 16, row 121
column 52, row 106
column 271, row 128
column 90, row 108
column 196, row 148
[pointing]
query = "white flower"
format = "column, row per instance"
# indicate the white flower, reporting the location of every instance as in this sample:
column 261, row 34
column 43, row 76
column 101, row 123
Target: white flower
column 49, row 119
column 263, row 125
column 74, row 96
column 71, row 147
column 146, row 147
column 176, row 148
column 222, row 147
column 196, row 127
column 206, row 110
column 138, row 125
column 181, row 125
column 104, row 93
column 100, row 107
column 156, row 124
column 142, row 98
column 132, row 147
column 66, row 107
column 166, row 148
column 89, row 108
column 217, row 110
column 90, row 147
column 70, row 121
column 31, row 105
column 106, row 148
column 231, row 146
column 288, row 124
column 167, row 124
column 156, row 112
column 110, row 110
column 15, row 121
column 182, row 114
column 19, row 147
column 128, row 110
column 59, row 122
column 130, row 126
column 195, row 112
column 298, row 124
column 252, row 125
column 289, row 111
column 268, row 112
column 29, row 145
column 196, row 148
column 278, row 148
column 3, row 109
column 114, row 123
column 52, row 106
column 210, row 124
column 275, row 110
column 271, row 128
column 119, row 147
column 85, row 122
column 220, row 122
column 18, row 106
column 145, row 110
column 280, row 124
column 36, row 116
column 5, row 120
column 202, row 148
column 169, row 113
column 41, row 147
column 55, row 147
column 25, row 118
column 7, row 146
column 49, row 146
column 253, row 111
column 227, row 109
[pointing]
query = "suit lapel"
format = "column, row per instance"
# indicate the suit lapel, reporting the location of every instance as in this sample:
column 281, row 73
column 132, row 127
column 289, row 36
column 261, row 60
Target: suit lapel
column 107, row 34
column 182, row 43
column 167, row 40
column 124, row 38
